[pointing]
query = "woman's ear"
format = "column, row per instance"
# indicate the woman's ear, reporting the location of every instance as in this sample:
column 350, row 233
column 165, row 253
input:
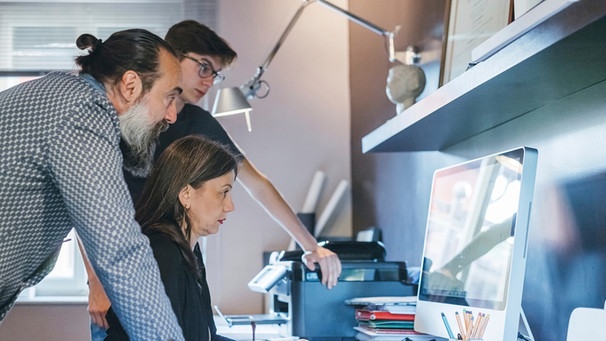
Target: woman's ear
column 184, row 197
column 131, row 86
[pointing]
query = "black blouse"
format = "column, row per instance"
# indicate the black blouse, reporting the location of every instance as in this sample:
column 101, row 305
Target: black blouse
column 189, row 296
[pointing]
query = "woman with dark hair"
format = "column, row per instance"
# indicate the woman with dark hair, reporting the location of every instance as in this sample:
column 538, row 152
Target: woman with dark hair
column 187, row 196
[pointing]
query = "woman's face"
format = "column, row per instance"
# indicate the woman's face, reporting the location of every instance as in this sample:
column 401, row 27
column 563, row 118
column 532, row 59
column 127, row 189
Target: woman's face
column 209, row 205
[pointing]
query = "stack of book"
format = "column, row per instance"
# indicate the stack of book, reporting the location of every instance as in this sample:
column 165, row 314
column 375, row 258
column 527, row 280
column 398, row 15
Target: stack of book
column 388, row 319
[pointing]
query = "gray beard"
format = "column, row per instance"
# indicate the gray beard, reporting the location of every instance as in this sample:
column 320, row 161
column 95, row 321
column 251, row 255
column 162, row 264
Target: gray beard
column 139, row 139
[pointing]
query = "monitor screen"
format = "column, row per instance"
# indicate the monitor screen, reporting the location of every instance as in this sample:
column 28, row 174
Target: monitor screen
column 475, row 245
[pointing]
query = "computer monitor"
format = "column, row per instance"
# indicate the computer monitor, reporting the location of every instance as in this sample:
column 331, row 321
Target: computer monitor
column 474, row 256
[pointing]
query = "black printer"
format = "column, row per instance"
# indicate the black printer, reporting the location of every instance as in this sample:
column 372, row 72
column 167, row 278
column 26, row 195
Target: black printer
column 316, row 313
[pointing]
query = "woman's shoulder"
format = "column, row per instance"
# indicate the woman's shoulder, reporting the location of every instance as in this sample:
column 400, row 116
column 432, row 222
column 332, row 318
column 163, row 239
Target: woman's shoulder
column 162, row 243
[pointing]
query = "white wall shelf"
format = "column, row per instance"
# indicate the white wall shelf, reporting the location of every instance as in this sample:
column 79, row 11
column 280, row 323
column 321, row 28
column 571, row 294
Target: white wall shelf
column 561, row 56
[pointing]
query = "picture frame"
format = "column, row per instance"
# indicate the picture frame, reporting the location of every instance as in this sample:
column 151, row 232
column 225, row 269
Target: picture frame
column 521, row 7
column 468, row 23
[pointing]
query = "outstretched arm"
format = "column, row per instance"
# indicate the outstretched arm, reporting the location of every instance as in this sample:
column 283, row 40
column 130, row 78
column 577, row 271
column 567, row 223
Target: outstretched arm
column 86, row 166
column 98, row 302
column 264, row 192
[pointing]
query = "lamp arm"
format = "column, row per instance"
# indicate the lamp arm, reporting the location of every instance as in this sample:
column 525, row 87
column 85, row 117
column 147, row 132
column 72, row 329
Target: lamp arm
column 250, row 89
column 254, row 84
column 376, row 29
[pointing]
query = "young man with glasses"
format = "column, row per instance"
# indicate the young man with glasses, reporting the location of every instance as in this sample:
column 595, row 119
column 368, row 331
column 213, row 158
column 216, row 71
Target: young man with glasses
column 203, row 55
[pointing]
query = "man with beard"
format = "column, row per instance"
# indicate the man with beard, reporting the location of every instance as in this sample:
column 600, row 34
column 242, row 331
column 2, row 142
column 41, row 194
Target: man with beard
column 61, row 167
column 138, row 143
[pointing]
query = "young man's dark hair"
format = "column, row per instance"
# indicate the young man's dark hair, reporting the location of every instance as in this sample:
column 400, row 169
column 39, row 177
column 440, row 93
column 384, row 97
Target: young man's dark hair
column 192, row 36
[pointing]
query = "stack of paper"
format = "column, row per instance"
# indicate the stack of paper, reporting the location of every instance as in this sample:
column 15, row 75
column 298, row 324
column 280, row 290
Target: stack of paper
column 387, row 319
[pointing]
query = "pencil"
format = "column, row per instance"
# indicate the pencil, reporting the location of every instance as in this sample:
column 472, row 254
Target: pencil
column 484, row 324
column 460, row 324
column 467, row 328
column 472, row 325
column 450, row 334
column 477, row 325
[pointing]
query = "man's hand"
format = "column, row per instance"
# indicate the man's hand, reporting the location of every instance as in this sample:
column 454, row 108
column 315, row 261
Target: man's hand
column 329, row 264
column 98, row 303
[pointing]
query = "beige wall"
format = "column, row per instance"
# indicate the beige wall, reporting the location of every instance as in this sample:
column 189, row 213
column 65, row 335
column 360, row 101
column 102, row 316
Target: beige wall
column 302, row 126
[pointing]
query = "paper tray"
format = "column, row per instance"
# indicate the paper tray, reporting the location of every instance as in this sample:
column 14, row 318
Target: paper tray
column 234, row 320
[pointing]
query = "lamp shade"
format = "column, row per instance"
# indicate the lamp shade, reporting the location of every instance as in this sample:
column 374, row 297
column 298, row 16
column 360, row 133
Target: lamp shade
column 231, row 101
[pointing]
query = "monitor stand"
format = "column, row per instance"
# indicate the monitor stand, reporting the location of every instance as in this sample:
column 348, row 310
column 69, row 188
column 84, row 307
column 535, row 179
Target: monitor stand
column 524, row 332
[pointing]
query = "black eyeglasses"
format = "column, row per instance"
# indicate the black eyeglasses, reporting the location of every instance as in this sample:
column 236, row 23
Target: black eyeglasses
column 206, row 70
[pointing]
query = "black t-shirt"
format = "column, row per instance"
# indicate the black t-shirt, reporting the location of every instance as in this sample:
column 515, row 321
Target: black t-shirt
column 192, row 120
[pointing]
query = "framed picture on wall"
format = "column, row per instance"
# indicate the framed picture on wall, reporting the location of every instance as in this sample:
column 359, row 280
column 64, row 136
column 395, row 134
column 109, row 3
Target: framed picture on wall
column 521, row 7
column 468, row 24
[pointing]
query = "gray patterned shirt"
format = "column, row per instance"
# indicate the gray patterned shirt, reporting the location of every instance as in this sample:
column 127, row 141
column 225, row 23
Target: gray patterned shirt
column 61, row 167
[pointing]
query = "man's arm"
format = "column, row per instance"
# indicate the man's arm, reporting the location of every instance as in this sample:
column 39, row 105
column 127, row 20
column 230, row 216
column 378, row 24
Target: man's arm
column 85, row 163
column 98, row 302
column 263, row 191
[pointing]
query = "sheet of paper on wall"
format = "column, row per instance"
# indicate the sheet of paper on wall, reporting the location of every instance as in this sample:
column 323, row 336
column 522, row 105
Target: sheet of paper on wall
column 533, row 16
column 331, row 207
column 469, row 24
column 522, row 6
